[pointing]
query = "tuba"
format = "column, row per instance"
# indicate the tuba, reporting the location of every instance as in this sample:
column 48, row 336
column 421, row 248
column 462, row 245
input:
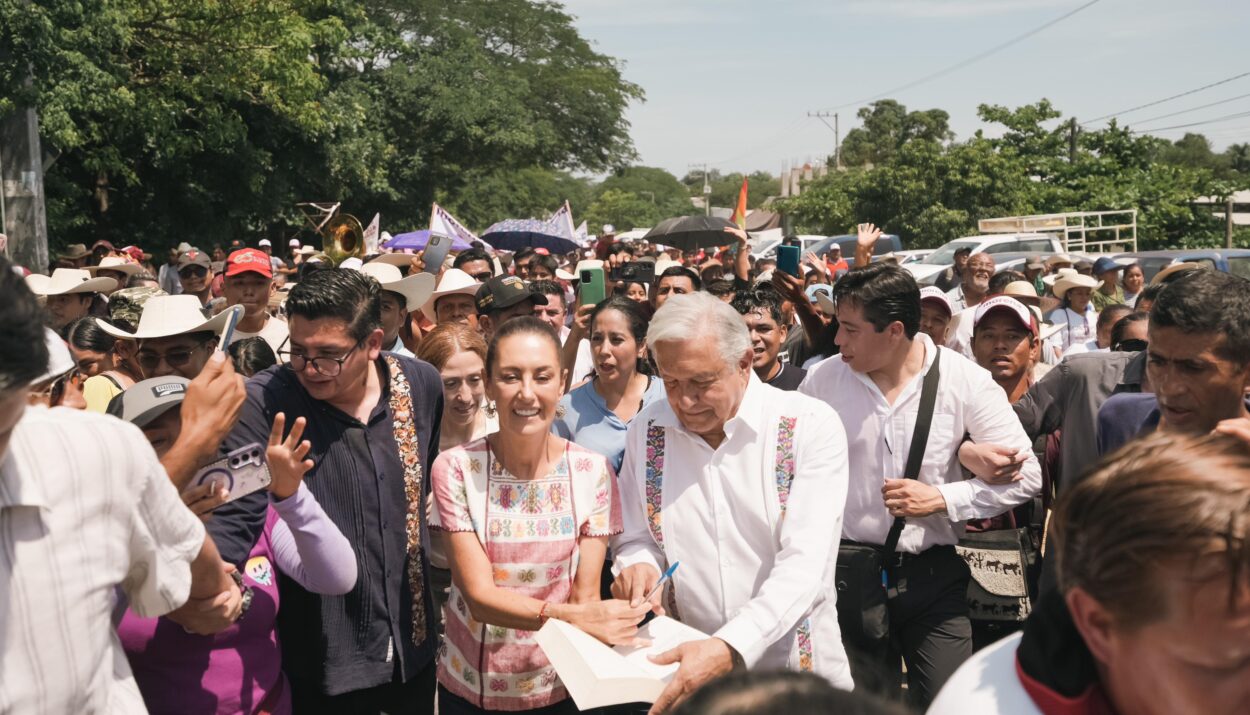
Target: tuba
column 343, row 238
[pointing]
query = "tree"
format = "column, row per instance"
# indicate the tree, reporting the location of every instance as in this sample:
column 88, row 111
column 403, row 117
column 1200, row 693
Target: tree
column 532, row 192
column 887, row 126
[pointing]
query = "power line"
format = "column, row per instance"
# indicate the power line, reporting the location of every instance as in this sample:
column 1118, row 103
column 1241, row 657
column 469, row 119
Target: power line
column 1239, row 115
column 1194, row 109
column 1166, row 99
column 970, row 60
column 767, row 144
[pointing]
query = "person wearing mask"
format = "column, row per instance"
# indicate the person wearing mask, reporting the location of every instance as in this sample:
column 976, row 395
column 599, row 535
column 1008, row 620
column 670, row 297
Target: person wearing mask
column 1107, row 318
column 249, row 283
column 744, row 485
column 875, row 385
column 372, row 422
column 452, row 300
column 1152, row 613
column 674, row 280
column 400, row 295
column 761, row 311
column 1133, row 282
column 89, row 516
column 597, row 414
column 68, row 294
column 503, row 298
column 555, row 311
column 1109, row 291
column 476, row 263
column 240, row 668
column 1076, row 318
column 975, row 286
column 949, row 279
column 506, row 583
column 1198, row 362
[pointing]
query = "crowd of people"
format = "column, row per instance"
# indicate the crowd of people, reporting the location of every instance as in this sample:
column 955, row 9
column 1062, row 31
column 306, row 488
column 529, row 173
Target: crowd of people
column 1009, row 492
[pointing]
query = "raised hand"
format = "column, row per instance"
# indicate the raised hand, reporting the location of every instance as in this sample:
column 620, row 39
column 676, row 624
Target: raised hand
column 286, row 457
column 868, row 235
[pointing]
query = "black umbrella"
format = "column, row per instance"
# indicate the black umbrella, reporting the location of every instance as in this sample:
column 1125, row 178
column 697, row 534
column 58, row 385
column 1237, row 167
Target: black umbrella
column 690, row 233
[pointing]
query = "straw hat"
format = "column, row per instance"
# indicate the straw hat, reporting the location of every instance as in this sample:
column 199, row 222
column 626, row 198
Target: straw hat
column 165, row 316
column 1053, row 277
column 415, row 289
column 65, row 281
column 116, row 263
column 455, row 281
column 75, row 251
column 1066, row 283
column 1060, row 259
column 1179, row 267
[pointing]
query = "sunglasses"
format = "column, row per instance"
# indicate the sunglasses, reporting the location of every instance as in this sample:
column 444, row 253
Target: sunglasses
column 149, row 360
column 193, row 272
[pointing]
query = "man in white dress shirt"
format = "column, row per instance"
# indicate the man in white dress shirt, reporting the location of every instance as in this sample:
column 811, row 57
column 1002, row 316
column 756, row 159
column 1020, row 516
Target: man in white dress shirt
column 875, row 386
column 743, row 484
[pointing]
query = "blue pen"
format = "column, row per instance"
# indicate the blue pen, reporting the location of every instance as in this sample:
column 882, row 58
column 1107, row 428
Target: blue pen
column 660, row 584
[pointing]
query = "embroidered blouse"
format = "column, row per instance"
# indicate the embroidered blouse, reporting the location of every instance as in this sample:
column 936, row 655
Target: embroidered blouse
column 529, row 530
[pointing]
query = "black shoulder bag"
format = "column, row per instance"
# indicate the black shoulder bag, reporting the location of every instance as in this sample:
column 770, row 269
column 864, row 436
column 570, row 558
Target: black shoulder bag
column 863, row 570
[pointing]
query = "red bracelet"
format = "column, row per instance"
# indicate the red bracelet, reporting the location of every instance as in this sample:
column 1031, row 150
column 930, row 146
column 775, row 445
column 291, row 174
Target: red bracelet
column 542, row 614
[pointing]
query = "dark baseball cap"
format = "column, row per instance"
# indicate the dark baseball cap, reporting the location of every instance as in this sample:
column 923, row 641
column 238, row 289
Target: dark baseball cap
column 144, row 401
column 194, row 257
column 503, row 292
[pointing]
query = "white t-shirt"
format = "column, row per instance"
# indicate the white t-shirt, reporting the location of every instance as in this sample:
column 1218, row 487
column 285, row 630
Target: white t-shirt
column 986, row 684
column 275, row 333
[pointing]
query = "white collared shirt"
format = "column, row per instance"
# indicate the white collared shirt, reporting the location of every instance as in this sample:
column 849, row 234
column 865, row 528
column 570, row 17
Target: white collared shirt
column 85, row 508
column 879, row 436
column 399, row 349
column 761, row 583
column 1075, row 328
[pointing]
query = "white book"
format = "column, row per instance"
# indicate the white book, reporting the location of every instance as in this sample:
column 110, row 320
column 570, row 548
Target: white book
column 597, row 675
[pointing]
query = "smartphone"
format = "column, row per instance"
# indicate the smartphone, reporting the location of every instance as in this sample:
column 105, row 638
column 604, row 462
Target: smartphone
column 242, row 472
column 643, row 271
column 227, row 333
column 593, row 289
column 436, row 251
column 788, row 260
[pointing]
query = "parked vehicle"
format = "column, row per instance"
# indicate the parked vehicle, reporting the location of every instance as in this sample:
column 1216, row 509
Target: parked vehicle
column 927, row 270
column 1229, row 260
column 888, row 243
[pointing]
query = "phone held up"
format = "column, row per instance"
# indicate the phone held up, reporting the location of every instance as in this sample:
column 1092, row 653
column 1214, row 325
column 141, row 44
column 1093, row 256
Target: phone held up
column 242, row 472
column 593, row 286
column 788, row 260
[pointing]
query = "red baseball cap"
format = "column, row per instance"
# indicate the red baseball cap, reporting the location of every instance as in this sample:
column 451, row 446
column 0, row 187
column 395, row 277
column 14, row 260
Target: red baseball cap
column 249, row 259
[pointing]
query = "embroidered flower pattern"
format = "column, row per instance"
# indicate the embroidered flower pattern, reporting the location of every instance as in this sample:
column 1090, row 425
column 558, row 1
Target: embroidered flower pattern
column 410, row 457
column 655, row 479
column 804, row 638
column 784, row 469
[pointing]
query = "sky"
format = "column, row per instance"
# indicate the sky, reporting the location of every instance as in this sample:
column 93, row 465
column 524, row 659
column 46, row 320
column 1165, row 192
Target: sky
column 729, row 82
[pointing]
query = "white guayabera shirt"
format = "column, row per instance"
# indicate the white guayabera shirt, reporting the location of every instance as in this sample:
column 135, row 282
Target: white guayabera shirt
column 754, row 523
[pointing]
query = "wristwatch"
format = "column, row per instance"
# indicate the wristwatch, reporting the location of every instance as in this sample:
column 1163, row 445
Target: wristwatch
column 244, row 591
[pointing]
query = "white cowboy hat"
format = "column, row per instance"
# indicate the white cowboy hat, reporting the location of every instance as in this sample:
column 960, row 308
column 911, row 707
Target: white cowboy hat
column 308, row 251
column 415, row 289
column 663, row 264
column 165, row 316
column 1066, row 283
column 116, row 263
column 399, row 260
column 65, row 281
column 454, row 281
column 1062, row 272
column 566, row 276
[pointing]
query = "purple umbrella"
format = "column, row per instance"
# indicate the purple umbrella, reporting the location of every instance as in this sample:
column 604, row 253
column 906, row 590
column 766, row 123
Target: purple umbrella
column 417, row 240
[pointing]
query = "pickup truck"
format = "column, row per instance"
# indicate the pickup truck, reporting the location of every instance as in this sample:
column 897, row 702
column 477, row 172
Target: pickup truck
column 944, row 257
column 1229, row 260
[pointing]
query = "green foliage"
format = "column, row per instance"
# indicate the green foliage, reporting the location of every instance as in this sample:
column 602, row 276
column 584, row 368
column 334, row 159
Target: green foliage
column 888, row 126
column 930, row 192
column 532, row 192
column 206, row 120
column 761, row 186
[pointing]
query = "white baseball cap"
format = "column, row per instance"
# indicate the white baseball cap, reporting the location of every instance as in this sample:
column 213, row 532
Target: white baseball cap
column 264, row 242
column 936, row 295
column 1009, row 306
column 293, row 243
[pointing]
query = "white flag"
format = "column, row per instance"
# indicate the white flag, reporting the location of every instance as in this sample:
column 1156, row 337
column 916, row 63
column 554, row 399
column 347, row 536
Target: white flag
column 371, row 235
column 562, row 220
column 445, row 224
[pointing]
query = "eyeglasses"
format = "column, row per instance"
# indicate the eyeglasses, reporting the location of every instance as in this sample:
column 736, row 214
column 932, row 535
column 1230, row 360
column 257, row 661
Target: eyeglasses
column 149, row 360
column 482, row 277
column 328, row 366
column 193, row 272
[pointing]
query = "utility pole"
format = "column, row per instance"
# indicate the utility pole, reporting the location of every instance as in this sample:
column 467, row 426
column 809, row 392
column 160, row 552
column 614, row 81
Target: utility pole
column 837, row 135
column 707, row 188
column 21, row 190
column 1228, row 223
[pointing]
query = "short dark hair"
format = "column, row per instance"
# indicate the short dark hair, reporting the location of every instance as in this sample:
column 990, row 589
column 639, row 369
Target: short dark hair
column 885, row 292
column 523, row 254
column 1112, row 314
column 526, row 324
column 86, row 334
column 548, row 288
column 548, row 262
column 251, row 355
column 473, row 254
column 747, row 301
column 681, row 272
column 636, row 314
column 1206, row 301
column 1000, row 280
column 1122, row 325
column 23, row 347
column 620, row 247
column 720, row 287
column 1149, row 293
column 342, row 294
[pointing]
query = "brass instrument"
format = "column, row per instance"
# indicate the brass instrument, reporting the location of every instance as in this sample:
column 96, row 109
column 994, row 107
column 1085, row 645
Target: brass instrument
column 342, row 235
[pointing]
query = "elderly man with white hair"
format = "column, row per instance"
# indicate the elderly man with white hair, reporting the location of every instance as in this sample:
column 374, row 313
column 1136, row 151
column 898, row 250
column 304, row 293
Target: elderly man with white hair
column 744, row 485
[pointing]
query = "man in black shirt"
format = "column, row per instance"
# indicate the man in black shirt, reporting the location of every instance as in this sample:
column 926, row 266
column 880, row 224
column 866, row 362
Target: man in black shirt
column 373, row 423
column 761, row 310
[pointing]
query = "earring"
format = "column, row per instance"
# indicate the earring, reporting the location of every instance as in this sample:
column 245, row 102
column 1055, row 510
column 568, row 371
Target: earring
column 561, row 411
column 489, row 409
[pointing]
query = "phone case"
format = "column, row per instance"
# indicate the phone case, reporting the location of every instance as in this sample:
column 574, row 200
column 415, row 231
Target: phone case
column 592, row 290
column 243, row 471
column 436, row 252
column 788, row 260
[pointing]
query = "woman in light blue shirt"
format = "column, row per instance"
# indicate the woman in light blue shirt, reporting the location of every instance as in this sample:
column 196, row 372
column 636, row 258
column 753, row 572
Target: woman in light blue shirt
column 597, row 414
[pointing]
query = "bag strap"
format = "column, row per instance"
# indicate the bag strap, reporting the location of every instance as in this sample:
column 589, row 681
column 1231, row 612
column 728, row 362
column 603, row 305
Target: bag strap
column 919, row 440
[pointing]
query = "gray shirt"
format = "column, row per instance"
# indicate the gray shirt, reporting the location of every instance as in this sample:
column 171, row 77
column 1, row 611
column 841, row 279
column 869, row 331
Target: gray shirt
column 1068, row 398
